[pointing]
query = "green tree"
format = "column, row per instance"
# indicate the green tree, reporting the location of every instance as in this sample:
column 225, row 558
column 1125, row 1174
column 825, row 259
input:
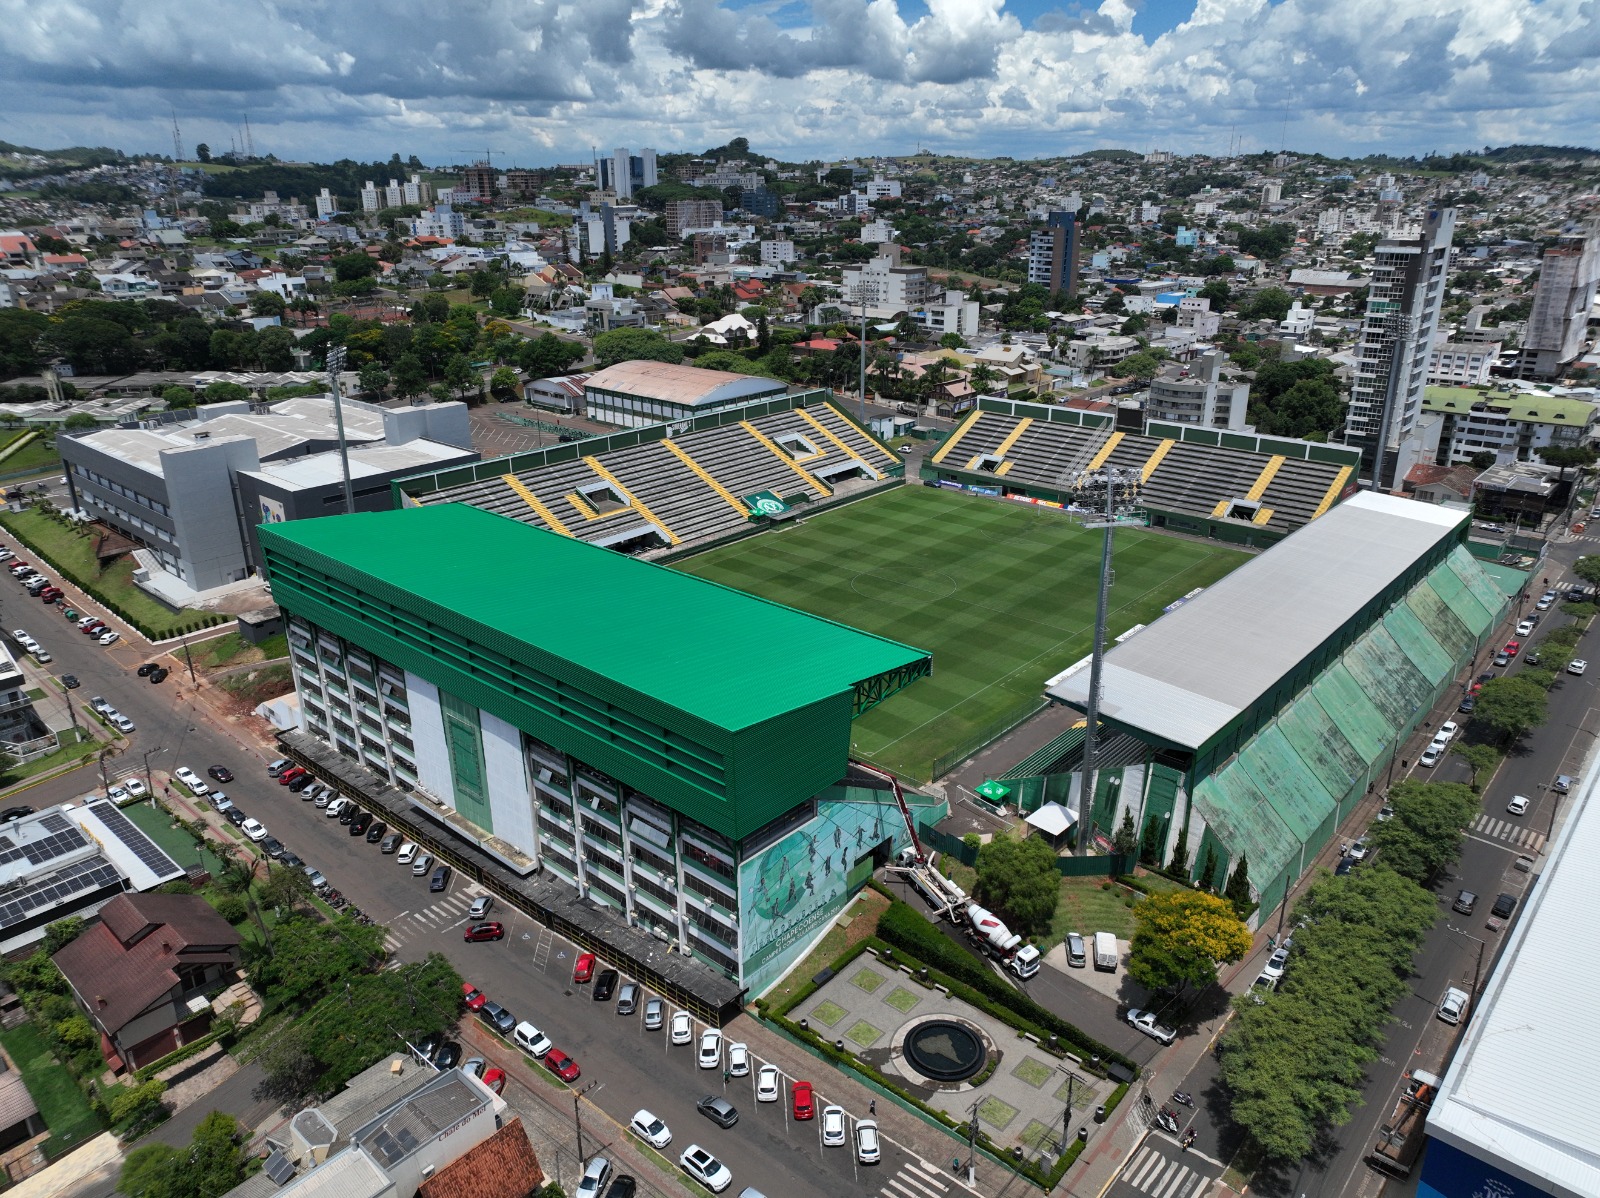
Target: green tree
column 1150, row 842
column 505, row 301
column 203, row 152
column 1215, row 290
column 548, row 355
column 267, row 303
column 1181, row 937
column 418, row 999
column 1579, row 456
column 306, row 956
column 1126, row 840
column 1481, row 460
column 1208, row 871
column 1480, row 759
column 504, row 382
column 136, row 1110
column 223, row 392
column 374, row 379
column 347, row 268
column 62, row 933
column 1142, row 365
column 1510, row 707
column 1237, row 888
column 951, row 341
column 287, row 890
column 1270, row 303
column 1587, row 568
column 628, row 345
column 154, row 1171
column 1018, row 878
column 178, row 397
column 80, row 420
column 216, row 1162
column 1424, row 835
column 460, row 377
column 408, row 378
column 289, row 1070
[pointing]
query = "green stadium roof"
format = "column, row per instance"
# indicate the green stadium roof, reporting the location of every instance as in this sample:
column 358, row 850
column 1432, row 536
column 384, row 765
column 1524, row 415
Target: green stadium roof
column 730, row 659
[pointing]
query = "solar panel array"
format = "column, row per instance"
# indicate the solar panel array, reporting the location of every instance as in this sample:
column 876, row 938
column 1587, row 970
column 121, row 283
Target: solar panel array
column 54, row 821
column 59, row 843
column 140, row 845
column 81, row 877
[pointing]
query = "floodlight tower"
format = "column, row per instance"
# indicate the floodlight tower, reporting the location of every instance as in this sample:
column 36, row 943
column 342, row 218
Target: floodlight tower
column 335, row 364
column 1113, row 494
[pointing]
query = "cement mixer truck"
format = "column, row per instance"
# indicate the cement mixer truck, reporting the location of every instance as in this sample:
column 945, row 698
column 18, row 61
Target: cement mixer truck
column 1000, row 942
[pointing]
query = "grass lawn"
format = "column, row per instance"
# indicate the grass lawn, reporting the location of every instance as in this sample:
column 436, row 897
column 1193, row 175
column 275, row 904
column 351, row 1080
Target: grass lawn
column 73, row 555
column 174, row 842
column 65, row 1109
column 1002, row 594
column 73, row 748
column 38, row 455
column 1085, row 908
column 231, row 649
column 864, row 914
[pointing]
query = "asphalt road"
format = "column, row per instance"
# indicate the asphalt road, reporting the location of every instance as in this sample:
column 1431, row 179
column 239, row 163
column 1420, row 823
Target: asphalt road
column 1459, row 951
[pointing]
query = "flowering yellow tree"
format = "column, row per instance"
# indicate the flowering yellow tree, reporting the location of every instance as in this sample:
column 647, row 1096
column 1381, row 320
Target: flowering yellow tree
column 1181, row 937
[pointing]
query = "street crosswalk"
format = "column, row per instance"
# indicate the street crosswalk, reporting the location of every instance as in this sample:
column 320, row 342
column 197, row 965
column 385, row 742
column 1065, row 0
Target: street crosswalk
column 1150, row 1172
column 447, row 912
column 915, row 1179
column 1510, row 831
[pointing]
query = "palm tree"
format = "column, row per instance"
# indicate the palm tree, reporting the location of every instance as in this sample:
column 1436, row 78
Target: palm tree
column 982, row 377
column 238, row 877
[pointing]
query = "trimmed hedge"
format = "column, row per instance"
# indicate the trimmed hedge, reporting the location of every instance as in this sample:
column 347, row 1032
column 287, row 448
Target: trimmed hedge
column 192, row 1049
column 903, row 927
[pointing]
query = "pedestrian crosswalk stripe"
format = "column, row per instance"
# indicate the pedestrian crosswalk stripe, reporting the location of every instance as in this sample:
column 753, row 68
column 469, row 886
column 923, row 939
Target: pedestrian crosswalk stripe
column 1142, row 1167
column 904, row 1180
column 1180, row 1184
column 1511, row 833
column 934, row 1177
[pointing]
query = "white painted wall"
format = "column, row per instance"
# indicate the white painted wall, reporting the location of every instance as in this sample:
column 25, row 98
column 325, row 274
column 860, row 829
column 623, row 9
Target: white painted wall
column 427, row 733
column 510, row 797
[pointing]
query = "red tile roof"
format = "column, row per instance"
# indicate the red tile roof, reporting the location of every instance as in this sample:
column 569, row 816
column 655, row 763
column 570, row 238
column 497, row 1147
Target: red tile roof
column 503, row 1166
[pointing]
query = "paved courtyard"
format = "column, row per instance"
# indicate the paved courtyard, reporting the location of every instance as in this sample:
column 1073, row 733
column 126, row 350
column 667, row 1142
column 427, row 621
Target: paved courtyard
column 871, row 1005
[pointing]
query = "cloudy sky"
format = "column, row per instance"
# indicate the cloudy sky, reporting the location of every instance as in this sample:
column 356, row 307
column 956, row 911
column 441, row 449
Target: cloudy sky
column 543, row 80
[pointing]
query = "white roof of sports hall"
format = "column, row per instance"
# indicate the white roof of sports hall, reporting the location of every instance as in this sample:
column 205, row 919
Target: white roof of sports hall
column 1519, row 1091
column 1199, row 666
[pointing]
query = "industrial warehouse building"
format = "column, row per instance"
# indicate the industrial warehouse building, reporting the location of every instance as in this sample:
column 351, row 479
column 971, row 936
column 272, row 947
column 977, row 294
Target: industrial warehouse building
column 1264, row 709
column 678, row 755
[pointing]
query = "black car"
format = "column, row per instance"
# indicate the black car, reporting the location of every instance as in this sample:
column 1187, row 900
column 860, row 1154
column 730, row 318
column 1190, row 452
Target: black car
column 623, row 1187
column 390, row 843
column 291, row 860
column 605, row 985
column 147, row 669
column 349, row 813
column 440, row 879
column 718, row 1109
column 220, row 772
column 449, row 1055
column 429, row 1045
column 70, row 681
column 11, row 813
column 375, row 833
column 159, row 676
column 1504, row 906
column 300, row 783
column 273, row 847
column 359, row 825
column 1346, row 864
column 235, row 816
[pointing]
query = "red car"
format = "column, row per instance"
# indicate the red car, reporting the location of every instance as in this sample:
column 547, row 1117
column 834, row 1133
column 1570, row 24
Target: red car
column 93, row 627
column 289, row 775
column 562, row 1065
column 495, row 1079
column 484, row 931
column 803, row 1107
column 472, row 996
column 50, row 594
column 583, row 968
column 1513, row 648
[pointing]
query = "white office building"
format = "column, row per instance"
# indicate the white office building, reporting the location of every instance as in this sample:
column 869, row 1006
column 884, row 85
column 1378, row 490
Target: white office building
column 327, row 205
column 1558, row 321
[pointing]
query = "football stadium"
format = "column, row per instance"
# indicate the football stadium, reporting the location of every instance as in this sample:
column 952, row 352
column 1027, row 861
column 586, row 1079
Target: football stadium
column 688, row 684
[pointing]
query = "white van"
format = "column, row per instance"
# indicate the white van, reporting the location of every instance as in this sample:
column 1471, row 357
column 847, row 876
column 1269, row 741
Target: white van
column 1453, row 1006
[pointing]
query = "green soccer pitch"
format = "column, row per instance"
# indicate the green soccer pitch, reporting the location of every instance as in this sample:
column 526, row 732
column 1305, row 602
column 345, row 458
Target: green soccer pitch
column 1002, row 594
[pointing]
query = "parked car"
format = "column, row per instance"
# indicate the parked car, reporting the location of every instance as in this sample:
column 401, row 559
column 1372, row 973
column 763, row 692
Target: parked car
column 531, row 1040
column 705, row 1168
column 804, row 1106
column 738, row 1059
column 605, row 985
column 480, row 906
column 497, row 1017
column 595, row 1176
column 390, row 843
column 649, row 1128
column 440, row 879
column 472, row 997
column 274, row 848
column 1518, row 805
column 1504, row 906
column 290, row 774
column 347, row 813
column 682, row 1028
column 768, row 1083
column 833, row 1126
column 628, row 998
column 562, row 1065
column 334, row 808
column 495, row 1079
column 710, row 1055
column 190, row 779
column 109, row 638
column 299, row 786
column 1430, row 756
column 135, row 787
column 479, row 932
column 1275, row 964
column 359, row 825
column 1145, row 1021
column 583, row 967
column 277, row 767
column 719, row 1110
column 1577, row 666
column 449, row 1054
column 655, row 1013
column 407, row 853
column 220, row 772
column 159, row 676
column 422, row 866
column 868, row 1149
column 376, row 832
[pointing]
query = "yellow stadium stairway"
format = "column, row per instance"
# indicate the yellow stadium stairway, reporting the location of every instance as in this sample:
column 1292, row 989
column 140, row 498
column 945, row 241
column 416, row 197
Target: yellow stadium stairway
column 1012, row 438
column 944, row 450
column 1333, row 492
column 683, row 456
column 828, row 434
column 785, row 458
column 1106, row 451
column 1154, row 460
column 1267, row 473
column 533, row 501
column 1262, row 516
column 634, row 502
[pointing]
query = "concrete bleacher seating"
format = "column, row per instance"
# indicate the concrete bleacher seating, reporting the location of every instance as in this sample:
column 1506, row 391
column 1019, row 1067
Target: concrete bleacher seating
column 689, row 487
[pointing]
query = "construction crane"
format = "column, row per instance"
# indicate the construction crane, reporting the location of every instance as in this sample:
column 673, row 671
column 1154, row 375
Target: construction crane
column 174, row 172
column 488, row 155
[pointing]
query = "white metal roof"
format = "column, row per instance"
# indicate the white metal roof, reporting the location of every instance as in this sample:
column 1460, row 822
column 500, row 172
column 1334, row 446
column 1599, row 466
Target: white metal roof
column 1199, row 666
column 1519, row 1094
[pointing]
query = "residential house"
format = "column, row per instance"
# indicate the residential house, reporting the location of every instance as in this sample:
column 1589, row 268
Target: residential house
column 142, row 972
column 1513, row 425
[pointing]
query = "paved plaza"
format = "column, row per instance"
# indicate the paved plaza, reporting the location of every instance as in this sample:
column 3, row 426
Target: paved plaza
column 871, row 1004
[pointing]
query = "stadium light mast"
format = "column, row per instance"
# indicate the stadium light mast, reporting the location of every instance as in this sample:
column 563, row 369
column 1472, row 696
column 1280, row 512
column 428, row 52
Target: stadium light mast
column 1119, row 488
column 335, row 366
column 862, row 293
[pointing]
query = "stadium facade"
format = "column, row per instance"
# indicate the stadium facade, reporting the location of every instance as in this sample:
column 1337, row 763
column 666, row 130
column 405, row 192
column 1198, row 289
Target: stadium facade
column 675, row 751
column 1261, row 711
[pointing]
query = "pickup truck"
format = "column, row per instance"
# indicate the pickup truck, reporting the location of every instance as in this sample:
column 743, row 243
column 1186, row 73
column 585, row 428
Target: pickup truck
column 1145, row 1021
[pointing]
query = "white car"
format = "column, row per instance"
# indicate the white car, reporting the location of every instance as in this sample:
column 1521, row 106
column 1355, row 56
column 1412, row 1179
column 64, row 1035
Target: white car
column 135, row 787
column 189, row 778
column 769, row 1083
column 705, row 1168
column 254, row 829
column 1359, row 850
column 1577, row 666
column 738, row 1059
column 682, row 1029
column 1525, row 628
column 1447, row 732
column 650, row 1129
column 109, row 638
column 406, row 853
column 1518, row 805
column 1430, row 755
column 1275, row 963
column 20, row 634
column 710, row 1049
column 833, row 1126
column 1145, row 1021
column 868, row 1150
column 334, row 808
column 117, row 795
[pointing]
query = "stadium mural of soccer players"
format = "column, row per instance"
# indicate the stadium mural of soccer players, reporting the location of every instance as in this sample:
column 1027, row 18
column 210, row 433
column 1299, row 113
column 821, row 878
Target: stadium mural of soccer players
column 790, row 890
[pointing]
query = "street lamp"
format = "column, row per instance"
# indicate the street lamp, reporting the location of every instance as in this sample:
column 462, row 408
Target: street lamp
column 1120, row 490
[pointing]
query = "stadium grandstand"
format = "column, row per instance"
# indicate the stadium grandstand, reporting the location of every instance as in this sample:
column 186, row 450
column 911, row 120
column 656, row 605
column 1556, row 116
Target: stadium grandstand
column 1252, row 718
column 1228, row 486
column 677, row 763
column 666, row 487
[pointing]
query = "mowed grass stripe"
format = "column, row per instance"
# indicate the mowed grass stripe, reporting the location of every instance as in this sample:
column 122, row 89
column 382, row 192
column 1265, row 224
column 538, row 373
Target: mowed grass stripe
column 1002, row 595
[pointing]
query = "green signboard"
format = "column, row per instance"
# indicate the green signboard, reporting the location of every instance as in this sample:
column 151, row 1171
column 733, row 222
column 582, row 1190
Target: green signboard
column 994, row 791
column 765, row 503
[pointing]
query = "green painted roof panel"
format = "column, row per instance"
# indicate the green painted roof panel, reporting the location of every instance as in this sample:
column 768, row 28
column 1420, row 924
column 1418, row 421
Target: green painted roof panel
column 730, row 659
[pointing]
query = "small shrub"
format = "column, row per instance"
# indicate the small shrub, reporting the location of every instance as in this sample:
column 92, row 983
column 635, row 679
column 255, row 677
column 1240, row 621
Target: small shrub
column 233, row 908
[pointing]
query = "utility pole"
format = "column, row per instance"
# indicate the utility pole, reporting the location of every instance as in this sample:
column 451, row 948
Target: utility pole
column 1477, row 970
column 577, row 1119
column 972, row 1141
column 1121, row 494
column 189, row 661
column 148, row 785
column 335, row 366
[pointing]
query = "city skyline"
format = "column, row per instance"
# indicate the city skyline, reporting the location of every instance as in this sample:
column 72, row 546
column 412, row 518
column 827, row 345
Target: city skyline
column 821, row 79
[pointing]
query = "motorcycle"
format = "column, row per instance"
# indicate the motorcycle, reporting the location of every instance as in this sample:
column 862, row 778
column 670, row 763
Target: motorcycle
column 1167, row 1121
column 1186, row 1141
column 1182, row 1099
